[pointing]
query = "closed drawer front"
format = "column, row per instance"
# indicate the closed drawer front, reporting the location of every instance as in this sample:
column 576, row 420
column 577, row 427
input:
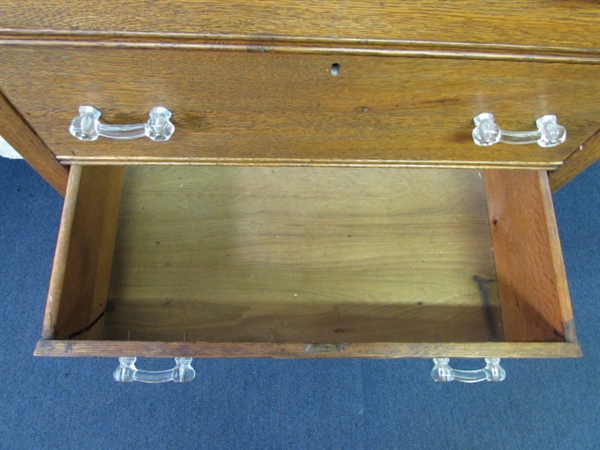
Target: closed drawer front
column 307, row 262
column 271, row 108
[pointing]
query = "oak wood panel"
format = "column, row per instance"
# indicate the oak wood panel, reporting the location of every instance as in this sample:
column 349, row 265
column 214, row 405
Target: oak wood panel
column 563, row 24
column 297, row 350
column 233, row 254
column 80, row 274
column 22, row 138
column 586, row 155
column 255, row 108
column 531, row 276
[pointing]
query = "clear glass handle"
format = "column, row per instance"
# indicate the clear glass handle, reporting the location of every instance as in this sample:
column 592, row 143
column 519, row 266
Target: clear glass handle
column 127, row 372
column 87, row 127
column 491, row 372
column 548, row 134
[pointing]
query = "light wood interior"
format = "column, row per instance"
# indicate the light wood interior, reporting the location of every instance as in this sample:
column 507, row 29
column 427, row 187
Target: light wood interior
column 532, row 282
column 315, row 255
column 78, row 290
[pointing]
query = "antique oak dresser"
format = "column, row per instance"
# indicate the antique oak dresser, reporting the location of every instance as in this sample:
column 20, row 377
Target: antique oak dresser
column 305, row 179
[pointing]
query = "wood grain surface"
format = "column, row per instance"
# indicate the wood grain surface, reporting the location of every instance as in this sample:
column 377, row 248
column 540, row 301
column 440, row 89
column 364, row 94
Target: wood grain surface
column 263, row 108
column 535, row 300
column 80, row 275
column 539, row 23
column 312, row 255
column 296, row 350
column 22, row 138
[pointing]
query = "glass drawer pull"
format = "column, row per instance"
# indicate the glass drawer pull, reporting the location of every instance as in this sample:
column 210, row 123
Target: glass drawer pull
column 548, row 134
column 87, row 127
column 491, row 372
column 127, row 372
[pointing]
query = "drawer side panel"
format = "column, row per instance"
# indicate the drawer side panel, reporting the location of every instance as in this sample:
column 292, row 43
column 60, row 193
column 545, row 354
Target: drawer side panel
column 81, row 271
column 532, row 282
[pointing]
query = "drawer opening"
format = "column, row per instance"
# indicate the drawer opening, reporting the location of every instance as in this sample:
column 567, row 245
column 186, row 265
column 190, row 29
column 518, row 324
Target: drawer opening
column 314, row 257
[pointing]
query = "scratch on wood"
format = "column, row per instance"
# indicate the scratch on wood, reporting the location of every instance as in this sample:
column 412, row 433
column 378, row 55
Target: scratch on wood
column 89, row 327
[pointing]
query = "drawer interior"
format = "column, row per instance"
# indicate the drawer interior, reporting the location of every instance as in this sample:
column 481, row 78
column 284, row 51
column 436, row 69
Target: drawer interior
column 303, row 255
column 313, row 256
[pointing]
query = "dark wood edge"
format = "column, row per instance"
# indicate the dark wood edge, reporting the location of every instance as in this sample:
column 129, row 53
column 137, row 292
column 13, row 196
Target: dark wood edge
column 299, row 350
column 300, row 44
column 17, row 132
column 585, row 155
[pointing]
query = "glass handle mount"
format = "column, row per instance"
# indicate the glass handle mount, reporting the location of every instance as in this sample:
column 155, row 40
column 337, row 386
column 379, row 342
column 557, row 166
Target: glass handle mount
column 548, row 134
column 87, row 126
column 180, row 373
column 491, row 372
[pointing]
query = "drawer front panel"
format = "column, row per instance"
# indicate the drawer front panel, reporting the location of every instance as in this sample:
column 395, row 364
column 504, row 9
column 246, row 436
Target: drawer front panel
column 295, row 350
column 263, row 108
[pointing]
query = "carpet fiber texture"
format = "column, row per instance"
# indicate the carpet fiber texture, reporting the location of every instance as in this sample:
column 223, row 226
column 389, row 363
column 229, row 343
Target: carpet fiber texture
column 68, row 403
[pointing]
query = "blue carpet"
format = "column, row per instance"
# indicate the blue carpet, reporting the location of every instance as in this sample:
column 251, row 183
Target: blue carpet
column 287, row 404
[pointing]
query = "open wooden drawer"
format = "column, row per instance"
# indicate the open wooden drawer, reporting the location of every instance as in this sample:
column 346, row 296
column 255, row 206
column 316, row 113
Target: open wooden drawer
column 221, row 261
